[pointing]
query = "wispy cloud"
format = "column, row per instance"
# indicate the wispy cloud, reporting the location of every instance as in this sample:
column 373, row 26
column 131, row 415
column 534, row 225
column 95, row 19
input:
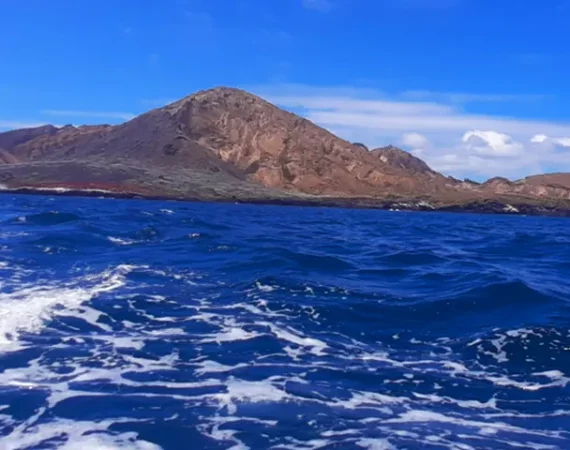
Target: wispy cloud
column 16, row 124
column 334, row 105
column 89, row 114
column 401, row 117
column 464, row 98
column 318, row 5
column 423, row 96
column 438, row 126
column 157, row 102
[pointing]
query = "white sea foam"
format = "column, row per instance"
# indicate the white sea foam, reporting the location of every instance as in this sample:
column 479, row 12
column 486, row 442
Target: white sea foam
column 257, row 310
column 499, row 354
column 108, row 442
column 557, row 379
column 77, row 435
column 368, row 399
column 264, row 287
column 27, row 309
column 421, row 416
column 207, row 366
column 375, row 444
column 469, row 404
column 167, row 332
column 189, row 325
column 231, row 334
column 226, row 435
column 128, row 342
column 239, row 391
column 502, row 340
column 315, row 346
column 121, row 241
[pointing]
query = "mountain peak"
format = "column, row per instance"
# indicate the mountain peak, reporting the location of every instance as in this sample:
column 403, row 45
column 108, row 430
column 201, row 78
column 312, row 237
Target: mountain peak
column 401, row 159
column 219, row 94
column 222, row 92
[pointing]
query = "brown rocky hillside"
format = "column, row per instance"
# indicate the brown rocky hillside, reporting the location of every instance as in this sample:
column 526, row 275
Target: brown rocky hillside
column 225, row 143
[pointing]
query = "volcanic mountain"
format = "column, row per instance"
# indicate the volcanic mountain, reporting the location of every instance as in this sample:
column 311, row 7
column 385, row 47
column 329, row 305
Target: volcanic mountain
column 227, row 144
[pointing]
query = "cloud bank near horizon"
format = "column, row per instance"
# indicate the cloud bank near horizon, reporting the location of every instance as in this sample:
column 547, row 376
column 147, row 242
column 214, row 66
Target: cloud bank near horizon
column 435, row 126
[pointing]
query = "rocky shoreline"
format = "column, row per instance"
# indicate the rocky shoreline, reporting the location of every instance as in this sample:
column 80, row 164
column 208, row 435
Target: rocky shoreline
column 483, row 206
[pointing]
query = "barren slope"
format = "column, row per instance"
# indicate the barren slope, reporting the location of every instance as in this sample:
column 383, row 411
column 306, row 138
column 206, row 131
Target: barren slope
column 282, row 150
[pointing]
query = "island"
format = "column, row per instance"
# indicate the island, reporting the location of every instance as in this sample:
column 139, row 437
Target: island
column 228, row 145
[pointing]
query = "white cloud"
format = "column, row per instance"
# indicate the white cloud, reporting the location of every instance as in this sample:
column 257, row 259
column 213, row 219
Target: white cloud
column 543, row 139
column 467, row 165
column 358, row 106
column 89, row 114
column 539, row 138
column 466, row 98
column 452, row 122
column 495, row 154
column 437, row 126
column 15, row 124
column 415, row 140
column 318, row 5
column 491, row 143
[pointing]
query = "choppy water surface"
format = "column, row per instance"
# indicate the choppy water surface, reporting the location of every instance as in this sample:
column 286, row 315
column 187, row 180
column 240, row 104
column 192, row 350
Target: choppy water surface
column 146, row 325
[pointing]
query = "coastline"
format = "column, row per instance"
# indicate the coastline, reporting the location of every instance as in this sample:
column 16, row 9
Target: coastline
column 512, row 207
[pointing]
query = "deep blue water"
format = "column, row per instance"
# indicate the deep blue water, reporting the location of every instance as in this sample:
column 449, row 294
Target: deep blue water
column 145, row 325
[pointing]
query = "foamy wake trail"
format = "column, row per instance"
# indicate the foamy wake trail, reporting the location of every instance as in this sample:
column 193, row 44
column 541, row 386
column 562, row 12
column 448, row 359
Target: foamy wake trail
column 236, row 370
column 28, row 308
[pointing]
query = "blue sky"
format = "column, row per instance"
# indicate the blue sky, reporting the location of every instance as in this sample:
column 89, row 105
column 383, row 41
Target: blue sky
column 475, row 87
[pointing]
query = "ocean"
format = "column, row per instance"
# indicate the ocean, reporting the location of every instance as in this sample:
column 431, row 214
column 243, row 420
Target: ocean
column 131, row 324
